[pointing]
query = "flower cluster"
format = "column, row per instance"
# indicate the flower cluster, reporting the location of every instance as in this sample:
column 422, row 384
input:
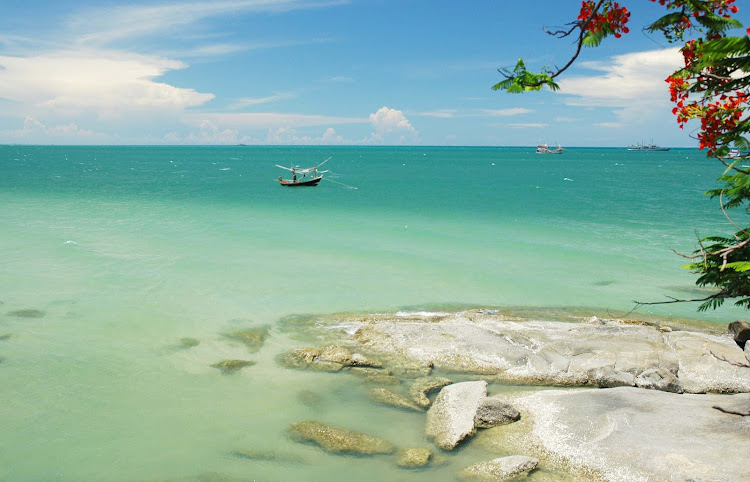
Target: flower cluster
column 719, row 109
column 611, row 20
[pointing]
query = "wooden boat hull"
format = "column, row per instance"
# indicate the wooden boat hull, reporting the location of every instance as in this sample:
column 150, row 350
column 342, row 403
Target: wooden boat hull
column 301, row 182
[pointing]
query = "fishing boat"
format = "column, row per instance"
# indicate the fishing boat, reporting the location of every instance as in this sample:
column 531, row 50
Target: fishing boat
column 646, row 147
column 734, row 154
column 313, row 180
column 544, row 149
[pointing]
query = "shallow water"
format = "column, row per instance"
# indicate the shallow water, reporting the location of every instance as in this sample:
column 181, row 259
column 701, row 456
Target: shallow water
column 125, row 250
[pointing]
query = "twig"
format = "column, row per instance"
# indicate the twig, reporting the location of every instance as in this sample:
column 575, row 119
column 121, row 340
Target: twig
column 736, row 364
column 732, row 412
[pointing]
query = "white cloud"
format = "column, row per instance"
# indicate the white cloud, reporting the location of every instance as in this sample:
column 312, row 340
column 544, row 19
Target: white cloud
column 525, row 125
column 284, row 136
column 267, row 120
column 248, row 101
column 627, row 79
column 103, row 25
column 34, row 131
column 391, row 127
column 442, row 113
column 106, row 82
column 506, row 112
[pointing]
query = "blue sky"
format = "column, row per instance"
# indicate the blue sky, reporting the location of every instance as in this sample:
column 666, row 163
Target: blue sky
column 355, row 72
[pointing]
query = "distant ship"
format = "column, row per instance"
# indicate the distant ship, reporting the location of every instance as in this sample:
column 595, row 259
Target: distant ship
column 544, row 149
column 647, row 147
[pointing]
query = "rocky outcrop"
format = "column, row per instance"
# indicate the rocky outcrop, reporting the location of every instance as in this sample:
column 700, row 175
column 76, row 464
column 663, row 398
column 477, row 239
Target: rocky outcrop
column 330, row 358
column 253, row 338
column 493, row 412
column 411, row 458
column 389, row 397
column 625, row 434
column 451, row 417
column 502, row 468
column 338, row 440
column 423, row 386
column 231, row 366
column 605, row 353
column 740, row 331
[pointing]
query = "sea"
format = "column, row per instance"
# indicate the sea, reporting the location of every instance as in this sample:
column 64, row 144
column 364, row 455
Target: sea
column 112, row 256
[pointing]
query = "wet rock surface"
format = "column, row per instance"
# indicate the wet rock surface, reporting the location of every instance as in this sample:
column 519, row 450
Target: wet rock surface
column 605, row 353
column 411, row 458
column 625, row 434
column 339, row 440
column 451, row 418
column 502, row 468
column 228, row 367
column 389, row 397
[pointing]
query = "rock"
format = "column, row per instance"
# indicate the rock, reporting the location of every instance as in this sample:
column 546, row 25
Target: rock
column 451, row 417
column 307, row 358
column 626, row 433
column 28, row 313
column 388, row 397
column 423, row 386
column 359, row 360
column 411, row 458
column 188, row 342
column 658, row 379
column 231, row 366
column 381, row 380
column 339, row 354
column 339, row 440
column 308, row 398
column 270, row 456
column 708, row 363
column 253, row 338
column 740, row 331
column 493, row 412
column 747, row 351
column 345, row 357
column 608, row 377
column 604, row 353
column 502, row 468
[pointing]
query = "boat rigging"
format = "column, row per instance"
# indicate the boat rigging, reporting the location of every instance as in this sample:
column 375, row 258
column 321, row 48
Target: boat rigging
column 313, row 180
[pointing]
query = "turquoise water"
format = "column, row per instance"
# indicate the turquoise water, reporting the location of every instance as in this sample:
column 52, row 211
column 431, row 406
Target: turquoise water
column 124, row 250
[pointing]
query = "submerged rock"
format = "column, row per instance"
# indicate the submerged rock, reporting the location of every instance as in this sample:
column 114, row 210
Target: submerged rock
column 253, row 338
column 331, row 358
column 423, row 386
column 451, row 417
column 502, row 468
column 28, row 313
column 493, row 412
column 339, row 440
column 188, row 342
column 308, row 398
column 411, row 458
column 270, row 456
column 5, row 336
column 231, row 366
column 339, row 354
column 389, row 397
column 307, row 358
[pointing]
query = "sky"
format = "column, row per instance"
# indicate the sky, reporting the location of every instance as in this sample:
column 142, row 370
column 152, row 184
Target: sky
column 325, row 72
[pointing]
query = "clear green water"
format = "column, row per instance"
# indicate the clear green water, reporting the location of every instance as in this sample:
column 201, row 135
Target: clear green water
column 127, row 249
